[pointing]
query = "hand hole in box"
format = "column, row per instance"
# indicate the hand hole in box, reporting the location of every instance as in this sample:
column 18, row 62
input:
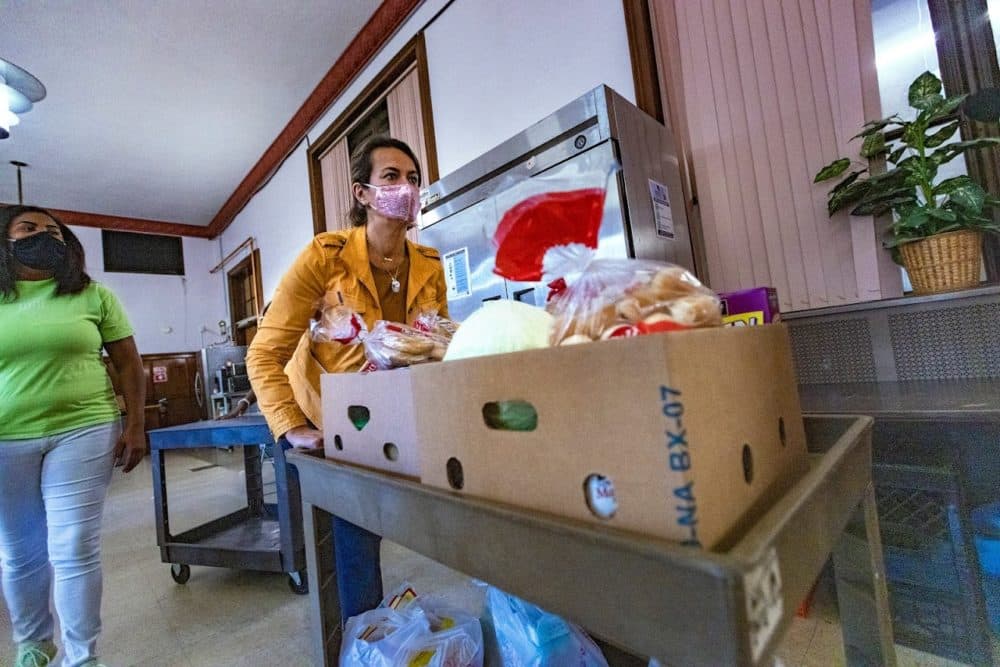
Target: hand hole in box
column 391, row 451
column 510, row 416
column 338, row 443
column 359, row 416
column 599, row 493
column 456, row 478
column 747, row 464
column 781, row 431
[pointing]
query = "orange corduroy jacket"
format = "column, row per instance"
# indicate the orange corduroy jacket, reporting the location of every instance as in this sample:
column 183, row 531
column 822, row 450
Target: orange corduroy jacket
column 283, row 361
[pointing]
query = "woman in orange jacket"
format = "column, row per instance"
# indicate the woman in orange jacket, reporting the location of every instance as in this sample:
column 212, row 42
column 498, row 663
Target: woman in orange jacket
column 382, row 276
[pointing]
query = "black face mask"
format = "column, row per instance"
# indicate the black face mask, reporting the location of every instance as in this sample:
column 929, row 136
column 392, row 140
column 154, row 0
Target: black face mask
column 42, row 252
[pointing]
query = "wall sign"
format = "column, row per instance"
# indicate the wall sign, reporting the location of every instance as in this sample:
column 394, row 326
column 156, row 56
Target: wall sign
column 661, row 209
column 159, row 374
column 456, row 273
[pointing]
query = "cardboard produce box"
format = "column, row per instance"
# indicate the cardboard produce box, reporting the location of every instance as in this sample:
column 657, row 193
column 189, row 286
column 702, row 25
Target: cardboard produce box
column 686, row 436
column 368, row 420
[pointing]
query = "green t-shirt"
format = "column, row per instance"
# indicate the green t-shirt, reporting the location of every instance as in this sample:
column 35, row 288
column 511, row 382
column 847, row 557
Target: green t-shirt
column 52, row 378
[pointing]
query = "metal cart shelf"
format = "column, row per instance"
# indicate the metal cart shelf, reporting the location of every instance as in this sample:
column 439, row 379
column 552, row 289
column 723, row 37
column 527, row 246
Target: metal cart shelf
column 652, row 598
column 261, row 536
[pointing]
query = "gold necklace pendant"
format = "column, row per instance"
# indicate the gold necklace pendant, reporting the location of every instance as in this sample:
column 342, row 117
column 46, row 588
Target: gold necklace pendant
column 394, row 283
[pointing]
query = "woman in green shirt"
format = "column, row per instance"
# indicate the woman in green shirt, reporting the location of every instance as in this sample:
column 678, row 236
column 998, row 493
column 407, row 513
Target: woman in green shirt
column 60, row 433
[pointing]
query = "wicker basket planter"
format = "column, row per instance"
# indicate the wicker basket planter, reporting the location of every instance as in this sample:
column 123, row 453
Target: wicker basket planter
column 944, row 262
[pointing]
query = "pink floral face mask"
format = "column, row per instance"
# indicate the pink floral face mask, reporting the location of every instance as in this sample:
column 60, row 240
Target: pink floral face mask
column 400, row 202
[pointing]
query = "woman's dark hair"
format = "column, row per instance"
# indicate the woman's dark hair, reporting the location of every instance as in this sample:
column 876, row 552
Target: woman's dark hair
column 361, row 170
column 70, row 275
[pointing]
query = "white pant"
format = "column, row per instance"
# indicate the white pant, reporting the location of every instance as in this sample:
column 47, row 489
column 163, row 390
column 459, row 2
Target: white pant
column 52, row 493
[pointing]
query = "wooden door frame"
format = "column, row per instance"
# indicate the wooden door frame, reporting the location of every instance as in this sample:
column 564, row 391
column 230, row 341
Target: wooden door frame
column 414, row 53
column 642, row 53
column 249, row 263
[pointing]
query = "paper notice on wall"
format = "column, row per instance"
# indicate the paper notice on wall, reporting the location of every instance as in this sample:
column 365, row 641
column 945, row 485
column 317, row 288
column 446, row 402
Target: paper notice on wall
column 159, row 374
column 456, row 273
column 661, row 209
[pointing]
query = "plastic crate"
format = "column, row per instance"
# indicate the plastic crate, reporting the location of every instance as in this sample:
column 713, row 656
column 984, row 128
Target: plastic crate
column 938, row 623
column 934, row 591
column 986, row 521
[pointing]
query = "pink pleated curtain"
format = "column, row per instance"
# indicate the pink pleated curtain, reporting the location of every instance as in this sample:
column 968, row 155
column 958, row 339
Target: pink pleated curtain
column 405, row 123
column 762, row 94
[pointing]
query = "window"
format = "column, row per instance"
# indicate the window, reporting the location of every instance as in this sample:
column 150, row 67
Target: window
column 128, row 252
column 956, row 40
column 904, row 48
column 396, row 102
column 372, row 125
column 245, row 298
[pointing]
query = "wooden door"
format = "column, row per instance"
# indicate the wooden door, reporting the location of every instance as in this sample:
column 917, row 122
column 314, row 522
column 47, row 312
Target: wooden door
column 170, row 382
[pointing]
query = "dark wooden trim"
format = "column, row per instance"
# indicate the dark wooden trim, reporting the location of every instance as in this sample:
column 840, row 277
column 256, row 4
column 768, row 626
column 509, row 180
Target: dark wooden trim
column 642, row 52
column 258, row 281
column 413, row 53
column 661, row 30
column 249, row 264
column 424, row 82
column 390, row 15
column 81, row 219
column 316, row 191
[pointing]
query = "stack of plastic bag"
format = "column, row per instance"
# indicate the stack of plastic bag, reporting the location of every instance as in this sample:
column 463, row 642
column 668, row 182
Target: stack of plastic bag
column 464, row 626
column 409, row 631
column 388, row 344
column 527, row 636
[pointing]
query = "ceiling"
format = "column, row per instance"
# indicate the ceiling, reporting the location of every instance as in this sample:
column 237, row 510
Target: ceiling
column 157, row 110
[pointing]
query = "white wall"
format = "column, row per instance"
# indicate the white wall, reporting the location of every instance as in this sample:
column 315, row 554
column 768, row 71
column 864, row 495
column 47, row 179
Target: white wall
column 498, row 67
column 167, row 312
column 495, row 68
column 279, row 218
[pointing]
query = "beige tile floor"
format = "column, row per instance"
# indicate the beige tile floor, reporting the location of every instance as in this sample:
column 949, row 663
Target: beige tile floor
column 227, row 618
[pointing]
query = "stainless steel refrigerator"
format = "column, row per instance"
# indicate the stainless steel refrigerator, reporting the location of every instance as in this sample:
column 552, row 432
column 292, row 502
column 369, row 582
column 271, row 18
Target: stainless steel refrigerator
column 644, row 213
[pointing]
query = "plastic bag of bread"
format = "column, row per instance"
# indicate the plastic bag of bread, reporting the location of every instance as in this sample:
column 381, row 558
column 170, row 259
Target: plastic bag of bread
column 613, row 298
column 388, row 344
column 431, row 322
column 394, row 345
column 549, row 231
column 334, row 321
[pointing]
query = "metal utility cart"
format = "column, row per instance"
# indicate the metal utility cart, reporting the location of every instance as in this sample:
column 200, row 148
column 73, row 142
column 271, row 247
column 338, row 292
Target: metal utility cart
column 649, row 597
column 261, row 536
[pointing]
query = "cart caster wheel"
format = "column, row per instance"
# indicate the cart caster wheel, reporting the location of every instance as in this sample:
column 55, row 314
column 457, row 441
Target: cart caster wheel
column 180, row 572
column 298, row 583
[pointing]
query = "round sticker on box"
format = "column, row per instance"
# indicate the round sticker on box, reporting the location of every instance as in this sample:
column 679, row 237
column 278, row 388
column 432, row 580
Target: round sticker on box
column 600, row 494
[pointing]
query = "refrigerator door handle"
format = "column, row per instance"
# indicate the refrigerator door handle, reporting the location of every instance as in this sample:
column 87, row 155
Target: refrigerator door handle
column 199, row 394
column 492, row 298
column 521, row 293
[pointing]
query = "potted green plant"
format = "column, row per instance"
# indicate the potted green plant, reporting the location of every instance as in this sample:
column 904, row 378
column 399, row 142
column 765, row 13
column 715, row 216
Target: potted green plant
column 937, row 226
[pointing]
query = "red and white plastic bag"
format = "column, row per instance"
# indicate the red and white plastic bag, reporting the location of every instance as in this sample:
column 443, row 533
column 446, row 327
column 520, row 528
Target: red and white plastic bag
column 388, row 344
column 550, row 232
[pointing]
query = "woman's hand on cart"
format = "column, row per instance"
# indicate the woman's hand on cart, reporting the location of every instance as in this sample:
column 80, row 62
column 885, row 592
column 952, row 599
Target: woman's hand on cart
column 305, row 437
column 241, row 406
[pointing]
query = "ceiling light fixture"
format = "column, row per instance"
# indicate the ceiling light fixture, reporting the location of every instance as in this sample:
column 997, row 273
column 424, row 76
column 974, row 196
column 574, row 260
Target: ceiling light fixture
column 19, row 90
